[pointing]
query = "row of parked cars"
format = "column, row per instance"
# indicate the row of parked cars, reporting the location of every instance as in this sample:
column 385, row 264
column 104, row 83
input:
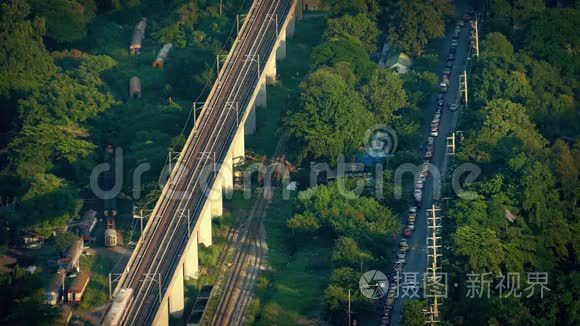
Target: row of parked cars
column 400, row 254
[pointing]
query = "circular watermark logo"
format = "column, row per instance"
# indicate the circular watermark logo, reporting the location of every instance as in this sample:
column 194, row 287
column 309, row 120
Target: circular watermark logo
column 373, row 284
column 380, row 141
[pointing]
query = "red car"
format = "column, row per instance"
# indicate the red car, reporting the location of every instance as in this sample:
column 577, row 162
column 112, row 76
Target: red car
column 408, row 233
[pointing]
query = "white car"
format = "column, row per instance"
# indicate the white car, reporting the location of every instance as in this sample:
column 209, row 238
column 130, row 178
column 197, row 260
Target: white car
column 411, row 226
column 435, row 133
column 418, row 194
column 453, row 107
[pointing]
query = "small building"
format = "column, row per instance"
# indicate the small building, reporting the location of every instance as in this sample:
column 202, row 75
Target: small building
column 54, row 292
column 110, row 237
column 160, row 60
column 399, row 61
column 78, row 287
column 138, row 36
column 135, row 87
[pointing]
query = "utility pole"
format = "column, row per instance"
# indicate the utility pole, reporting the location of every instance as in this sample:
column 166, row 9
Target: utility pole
column 219, row 58
column 476, row 29
column 349, row 318
column 433, row 224
column 451, row 144
column 463, row 87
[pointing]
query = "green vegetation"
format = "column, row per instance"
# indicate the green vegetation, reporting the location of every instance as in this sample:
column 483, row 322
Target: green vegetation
column 64, row 102
column 97, row 292
column 413, row 314
column 22, row 300
column 416, row 22
column 522, row 131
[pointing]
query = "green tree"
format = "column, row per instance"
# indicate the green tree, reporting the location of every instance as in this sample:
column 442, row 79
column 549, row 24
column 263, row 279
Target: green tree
column 24, row 61
column 413, row 313
column 48, row 202
column 344, row 49
column 417, row 22
column 554, row 37
column 347, row 252
column 345, row 277
column 32, row 150
column 304, row 223
column 331, row 118
column 22, row 300
column 481, row 246
column 66, row 20
column 359, row 27
column 384, row 94
column 496, row 44
column 63, row 241
column 502, row 118
column 494, row 82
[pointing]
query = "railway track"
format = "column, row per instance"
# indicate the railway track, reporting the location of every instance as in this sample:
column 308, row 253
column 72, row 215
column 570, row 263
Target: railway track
column 166, row 235
column 248, row 261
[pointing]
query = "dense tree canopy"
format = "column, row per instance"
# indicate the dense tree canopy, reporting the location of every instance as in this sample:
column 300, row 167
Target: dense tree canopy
column 24, row 61
column 332, row 117
column 66, row 20
column 417, row 22
column 521, row 132
column 359, row 27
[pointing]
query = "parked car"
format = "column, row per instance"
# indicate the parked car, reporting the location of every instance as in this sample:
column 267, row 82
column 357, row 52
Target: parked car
column 453, row 107
column 408, row 233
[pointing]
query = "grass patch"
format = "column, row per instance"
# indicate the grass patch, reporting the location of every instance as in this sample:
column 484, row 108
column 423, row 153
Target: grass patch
column 292, row 292
column 97, row 290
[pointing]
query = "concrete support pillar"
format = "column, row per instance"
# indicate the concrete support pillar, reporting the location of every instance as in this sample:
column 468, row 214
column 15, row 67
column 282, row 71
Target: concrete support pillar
column 191, row 260
column 227, row 171
column 250, row 125
column 216, row 197
column 291, row 28
column 261, row 98
column 281, row 50
column 238, row 146
column 162, row 316
column 204, row 224
column 176, row 295
column 271, row 70
column 299, row 9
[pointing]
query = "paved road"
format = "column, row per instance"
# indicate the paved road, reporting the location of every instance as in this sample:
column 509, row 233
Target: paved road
column 166, row 234
column 417, row 254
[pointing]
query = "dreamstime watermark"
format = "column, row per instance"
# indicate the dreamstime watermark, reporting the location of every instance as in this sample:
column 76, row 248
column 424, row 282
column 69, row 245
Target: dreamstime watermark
column 380, row 141
column 192, row 177
column 414, row 285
